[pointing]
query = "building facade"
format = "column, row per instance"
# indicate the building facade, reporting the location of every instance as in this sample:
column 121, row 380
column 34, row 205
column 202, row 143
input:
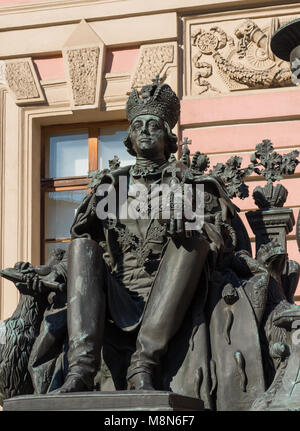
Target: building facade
column 66, row 69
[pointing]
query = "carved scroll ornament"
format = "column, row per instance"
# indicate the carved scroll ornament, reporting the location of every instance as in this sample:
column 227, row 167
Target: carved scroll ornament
column 221, row 61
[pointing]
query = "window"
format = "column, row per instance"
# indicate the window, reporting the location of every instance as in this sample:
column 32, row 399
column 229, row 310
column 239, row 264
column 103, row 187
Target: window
column 69, row 153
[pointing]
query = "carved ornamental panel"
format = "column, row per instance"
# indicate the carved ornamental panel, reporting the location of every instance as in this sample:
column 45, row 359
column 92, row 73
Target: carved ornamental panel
column 83, row 68
column 227, row 56
column 22, row 80
column 154, row 60
column 84, row 56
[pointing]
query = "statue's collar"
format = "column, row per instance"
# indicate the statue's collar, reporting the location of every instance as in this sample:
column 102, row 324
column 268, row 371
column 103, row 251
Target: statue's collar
column 147, row 168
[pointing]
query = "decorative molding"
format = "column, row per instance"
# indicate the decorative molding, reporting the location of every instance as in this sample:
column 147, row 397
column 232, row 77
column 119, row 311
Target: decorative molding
column 114, row 102
column 84, row 55
column 153, row 60
column 234, row 55
column 2, row 73
column 56, row 92
column 2, row 172
column 115, row 94
column 44, row 12
column 48, row 25
column 23, row 82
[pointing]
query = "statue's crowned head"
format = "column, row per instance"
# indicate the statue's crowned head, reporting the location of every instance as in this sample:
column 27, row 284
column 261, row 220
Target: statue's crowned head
column 156, row 110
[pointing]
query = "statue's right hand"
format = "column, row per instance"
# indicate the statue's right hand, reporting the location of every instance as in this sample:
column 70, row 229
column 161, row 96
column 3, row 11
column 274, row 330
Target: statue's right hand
column 36, row 282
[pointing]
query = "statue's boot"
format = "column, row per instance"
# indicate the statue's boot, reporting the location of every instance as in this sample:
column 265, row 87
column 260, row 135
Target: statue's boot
column 86, row 314
column 171, row 295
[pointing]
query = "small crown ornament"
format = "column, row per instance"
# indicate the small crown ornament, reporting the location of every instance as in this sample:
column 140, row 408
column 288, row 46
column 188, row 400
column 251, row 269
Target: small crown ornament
column 156, row 99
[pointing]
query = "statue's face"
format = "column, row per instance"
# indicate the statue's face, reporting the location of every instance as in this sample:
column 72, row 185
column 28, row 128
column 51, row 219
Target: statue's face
column 148, row 136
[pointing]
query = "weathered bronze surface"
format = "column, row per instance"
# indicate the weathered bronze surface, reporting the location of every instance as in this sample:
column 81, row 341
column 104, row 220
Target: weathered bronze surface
column 149, row 304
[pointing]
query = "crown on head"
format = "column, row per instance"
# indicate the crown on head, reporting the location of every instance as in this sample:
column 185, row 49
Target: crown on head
column 156, row 99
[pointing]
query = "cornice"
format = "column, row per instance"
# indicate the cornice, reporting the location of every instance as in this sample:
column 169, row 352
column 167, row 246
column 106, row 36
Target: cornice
column 48, row 4
column 44, row 13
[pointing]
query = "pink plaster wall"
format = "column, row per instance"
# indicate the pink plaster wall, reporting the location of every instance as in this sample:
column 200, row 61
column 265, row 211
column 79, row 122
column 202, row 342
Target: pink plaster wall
column 236, row 138
column 117, row 61
column 121, row 60
column 50, row 68
column 270, row 105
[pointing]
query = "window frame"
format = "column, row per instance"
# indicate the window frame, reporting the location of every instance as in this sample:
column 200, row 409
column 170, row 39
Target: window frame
column 69, row 183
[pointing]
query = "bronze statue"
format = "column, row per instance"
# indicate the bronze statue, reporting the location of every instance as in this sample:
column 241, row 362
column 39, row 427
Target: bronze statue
column 130, row 277
column 160, row 305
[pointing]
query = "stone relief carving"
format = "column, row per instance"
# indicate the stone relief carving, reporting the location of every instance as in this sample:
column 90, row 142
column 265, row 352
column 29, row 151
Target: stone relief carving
column 83, row 68
column 84, row 57
column 226, row 58
column 153, row 60
column 20, row 80
column 205, row 71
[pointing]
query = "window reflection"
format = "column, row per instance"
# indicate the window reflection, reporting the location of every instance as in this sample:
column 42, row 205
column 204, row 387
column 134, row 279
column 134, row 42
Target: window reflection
column 110, row 144
column 67, row 155
column 60, row 209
